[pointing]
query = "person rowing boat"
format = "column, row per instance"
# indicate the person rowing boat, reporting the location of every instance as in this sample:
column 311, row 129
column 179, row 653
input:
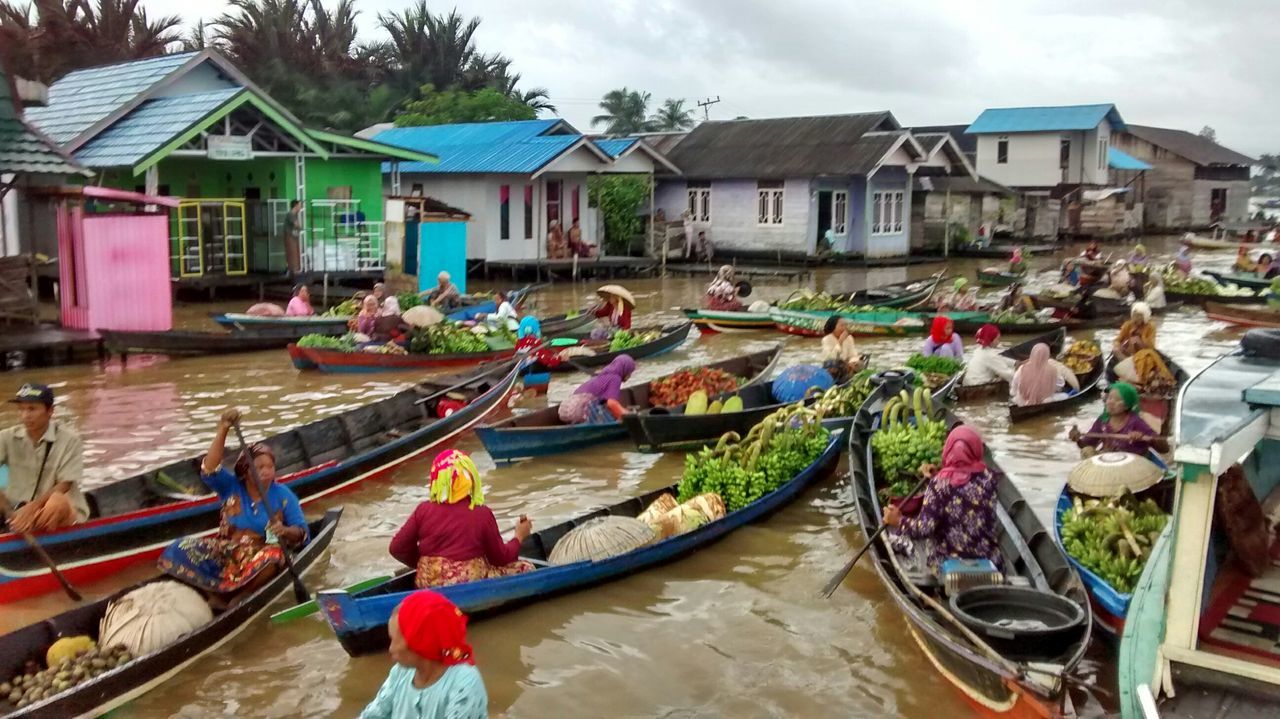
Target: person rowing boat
column 987, row 365
column 1119, row 428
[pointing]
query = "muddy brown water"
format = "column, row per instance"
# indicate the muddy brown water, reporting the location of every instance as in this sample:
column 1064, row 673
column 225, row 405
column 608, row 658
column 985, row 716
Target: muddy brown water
column 737, row 629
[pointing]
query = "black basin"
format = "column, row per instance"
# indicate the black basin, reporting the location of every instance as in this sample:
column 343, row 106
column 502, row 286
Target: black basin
column 1020, row 623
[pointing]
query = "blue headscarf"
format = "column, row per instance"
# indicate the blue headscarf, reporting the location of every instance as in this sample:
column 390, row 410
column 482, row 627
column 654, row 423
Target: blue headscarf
column 529, row 325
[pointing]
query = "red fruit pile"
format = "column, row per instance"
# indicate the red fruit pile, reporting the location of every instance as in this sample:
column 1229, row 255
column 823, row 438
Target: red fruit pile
column 676, row 388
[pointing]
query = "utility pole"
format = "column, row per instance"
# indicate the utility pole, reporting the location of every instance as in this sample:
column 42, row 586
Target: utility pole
column 706, row 106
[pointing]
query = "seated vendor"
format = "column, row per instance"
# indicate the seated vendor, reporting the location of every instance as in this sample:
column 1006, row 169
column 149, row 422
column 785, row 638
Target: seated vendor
column 45, row 458
column 943, row 340
column 1119, row 428
column 987, row 363
column 839, row 354
column 587, row 404
column 1042, row 379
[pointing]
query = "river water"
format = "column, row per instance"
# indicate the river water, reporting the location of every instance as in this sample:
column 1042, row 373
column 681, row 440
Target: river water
column 737, row 629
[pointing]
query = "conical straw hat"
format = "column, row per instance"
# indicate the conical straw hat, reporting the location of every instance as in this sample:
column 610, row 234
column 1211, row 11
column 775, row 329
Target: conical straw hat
column 617, row 291
column 422, row 316
column 601, row 538
column 1110, row 474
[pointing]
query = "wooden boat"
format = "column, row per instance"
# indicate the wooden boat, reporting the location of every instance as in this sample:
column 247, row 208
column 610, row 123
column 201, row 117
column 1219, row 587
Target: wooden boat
column 1001, row 252
column 899, row 295
column 540, row 433
column 1088, row 384
column 1250, row 281
column 144, row 673
column 300, row 326
column 1021, row 351
column 182, row 343
column 1195, row 299
column 360, row 620
column 1206, row 243
column 994, row 683
column 1158, row 406
column 885, row 323
column 326, row 360
column 1243, row 316
column 717, row 321
column 990, row 278
column 133, row 519
column 671, row 337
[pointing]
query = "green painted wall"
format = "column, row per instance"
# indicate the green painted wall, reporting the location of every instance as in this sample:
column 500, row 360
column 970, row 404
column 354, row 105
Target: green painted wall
column 364, row 177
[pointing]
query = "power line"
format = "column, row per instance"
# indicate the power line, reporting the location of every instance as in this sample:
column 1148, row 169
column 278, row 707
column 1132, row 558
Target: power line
column 706, row 106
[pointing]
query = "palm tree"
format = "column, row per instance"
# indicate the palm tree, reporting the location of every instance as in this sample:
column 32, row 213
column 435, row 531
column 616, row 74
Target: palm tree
column 438, row 50
column 266, row 36
column 538, row 98
column 624, row 112
column 672, row 117
column 18, row 51
column 71, row 34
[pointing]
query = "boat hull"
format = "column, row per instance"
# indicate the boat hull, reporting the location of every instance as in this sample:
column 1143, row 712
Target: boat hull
column 671, row 338
column 1242, row 316
column 1109, row 605
column 192, row 343
column 1088, row 384
column 335, row 361
column 714, row 321
column 1201, row 300
column 1250, row 281
column 998, row 279
column 889, row 323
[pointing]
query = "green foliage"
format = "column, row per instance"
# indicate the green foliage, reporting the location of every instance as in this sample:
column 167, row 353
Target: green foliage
column 444, row 107
column 408, row 300
column 345, row 343
column 619, row 198
column 1113, row 538
column 672, row 117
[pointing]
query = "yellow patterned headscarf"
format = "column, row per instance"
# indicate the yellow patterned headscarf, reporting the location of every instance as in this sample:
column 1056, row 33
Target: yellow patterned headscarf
column 455, row 477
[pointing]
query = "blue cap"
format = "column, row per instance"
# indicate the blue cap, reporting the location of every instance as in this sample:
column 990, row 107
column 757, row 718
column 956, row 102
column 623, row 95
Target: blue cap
column 34, row 393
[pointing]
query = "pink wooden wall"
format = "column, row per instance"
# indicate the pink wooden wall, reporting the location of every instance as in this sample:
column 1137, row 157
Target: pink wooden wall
column 119, row 271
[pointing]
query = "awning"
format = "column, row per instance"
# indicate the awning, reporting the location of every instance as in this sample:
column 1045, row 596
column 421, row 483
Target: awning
column 1120, row 160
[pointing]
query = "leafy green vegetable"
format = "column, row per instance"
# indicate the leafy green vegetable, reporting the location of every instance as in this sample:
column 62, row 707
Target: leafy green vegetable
column 625, row 339
column 446, row 338
column 408, row 300
column 934, row 365
column 345, row 343
column 346, row 308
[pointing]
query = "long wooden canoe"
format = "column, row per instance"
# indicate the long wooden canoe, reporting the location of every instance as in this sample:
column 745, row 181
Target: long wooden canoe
column 1195, row 299
column 990, row 278
column 133, row 519
column 1159, row 405
column 1243, row 316
column 184, row 343
column 1250, row 281
column 360, row 620
column 669, row 338
column 883, row 323
column 1088, row 384
column 337, row 361
column 899, row 295
column 541, row 433
column 1021, row 351
column 720, row 321
column 994, row 684
column 149, row 671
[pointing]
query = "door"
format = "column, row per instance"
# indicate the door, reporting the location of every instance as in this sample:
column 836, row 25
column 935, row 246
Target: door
column 411, row 230
column 824, row 219
column 1217, row 203
column 555, row 191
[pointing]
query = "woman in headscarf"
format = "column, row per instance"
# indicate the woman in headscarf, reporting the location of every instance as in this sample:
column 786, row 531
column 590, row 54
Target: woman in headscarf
column 435, row 675
column 1092, row 252
column 1119, row 278
column 613, row 309
column 722, row 294
column 942, row 340
column 242, row 556
column 588, row 403
column 1016, row 264
column 960, row 298
column 1243, row 262
column 987, row 364
column 452, row 537
column 1136, row 334
column 840, row 356
column 1014, row 301
column 1120, row 428
column 1139, row 257
column 1041, row 379
column 1182, row 262
column 958, row 516
column 1265, row 269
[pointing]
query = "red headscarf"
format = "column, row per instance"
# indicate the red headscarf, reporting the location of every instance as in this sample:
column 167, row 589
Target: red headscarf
column 961, row 456
column 988, row 335
column 941, row 330
column 434, row 629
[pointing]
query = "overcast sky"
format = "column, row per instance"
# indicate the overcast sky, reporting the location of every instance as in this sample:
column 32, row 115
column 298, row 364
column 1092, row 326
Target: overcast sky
column 1172, row 63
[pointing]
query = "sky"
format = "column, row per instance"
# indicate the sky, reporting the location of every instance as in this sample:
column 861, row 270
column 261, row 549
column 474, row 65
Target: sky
column 1172, row 63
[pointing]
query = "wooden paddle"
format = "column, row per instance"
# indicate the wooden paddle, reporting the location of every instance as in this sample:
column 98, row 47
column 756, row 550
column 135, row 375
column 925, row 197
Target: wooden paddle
column 838, row 578
column 308, row 608
column 461, row 384
column 299, row 589
column 6, row 510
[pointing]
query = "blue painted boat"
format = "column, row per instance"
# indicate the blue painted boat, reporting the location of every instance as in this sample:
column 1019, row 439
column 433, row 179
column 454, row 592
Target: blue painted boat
column 1110, row 606
column 360, row 619
column 541, row 433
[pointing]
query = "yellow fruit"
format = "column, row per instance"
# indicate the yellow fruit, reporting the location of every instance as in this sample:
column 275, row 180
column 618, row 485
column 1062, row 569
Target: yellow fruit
column 697, row 403
column 733, row 404
column 67, row 648
column 716, row 407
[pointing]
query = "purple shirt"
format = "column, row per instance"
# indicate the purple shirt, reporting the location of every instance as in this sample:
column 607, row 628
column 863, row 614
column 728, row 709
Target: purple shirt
column 960, row 521
column 953, row 349
column 1133, row 424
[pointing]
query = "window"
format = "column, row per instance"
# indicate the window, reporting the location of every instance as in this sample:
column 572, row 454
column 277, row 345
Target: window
column 769, row 194
column 1002, row 151
column 886, row 212
column 1102, row 152
column 699, row 204
column 1064, row 153
column 840, row 212
column 504, row 212
column 528, row 212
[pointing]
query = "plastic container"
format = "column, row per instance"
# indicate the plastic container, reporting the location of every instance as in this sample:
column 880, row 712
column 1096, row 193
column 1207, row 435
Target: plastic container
column 1020, row 623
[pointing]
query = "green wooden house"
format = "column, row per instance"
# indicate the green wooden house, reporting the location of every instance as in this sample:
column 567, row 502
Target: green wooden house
column 193, row 126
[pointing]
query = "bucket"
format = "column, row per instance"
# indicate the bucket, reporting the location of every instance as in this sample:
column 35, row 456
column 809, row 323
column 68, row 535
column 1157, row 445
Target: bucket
column 1021, row 623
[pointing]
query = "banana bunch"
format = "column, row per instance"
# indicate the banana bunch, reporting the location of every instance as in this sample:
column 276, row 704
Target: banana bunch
column 901, row 445
column 844, row 400
column 1112, row 538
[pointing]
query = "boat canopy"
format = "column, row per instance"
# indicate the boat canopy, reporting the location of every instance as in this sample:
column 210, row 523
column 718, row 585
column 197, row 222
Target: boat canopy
column 1225, row 410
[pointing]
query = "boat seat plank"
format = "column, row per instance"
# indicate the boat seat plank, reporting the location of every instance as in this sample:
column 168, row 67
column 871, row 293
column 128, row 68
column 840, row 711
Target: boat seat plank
column 324, row 440
column 123, row 496
column 289, row 451
column 364, row 426
column 401, row 411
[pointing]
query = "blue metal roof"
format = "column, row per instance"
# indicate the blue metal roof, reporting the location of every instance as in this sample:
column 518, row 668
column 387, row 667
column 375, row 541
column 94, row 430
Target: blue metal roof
column 1121, row 160
column 484, row 147
column 150, row 127
column 1045, row 119
column 615, row 148
column 84, row 97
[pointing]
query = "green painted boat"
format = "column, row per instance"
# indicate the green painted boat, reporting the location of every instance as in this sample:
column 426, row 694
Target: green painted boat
column 306, row 609
column 886, row 323
column 1253, row 282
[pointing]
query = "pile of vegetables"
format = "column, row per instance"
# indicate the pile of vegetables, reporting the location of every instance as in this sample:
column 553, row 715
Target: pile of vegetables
column 345, row 343
column 1012, row 317
column 1175, row 281
column 667, row 518
column 446, row 338
column 742, row 470
column 71, row 661
column 1112, row 538
column 1081, row 355
column 900, row 446
column 626, row 339
column 390, row 348
column 806, row 301
column 408, row 300
column 844, row 400
column 698, row 405
column 677, row 387
column 933, row 372
column 346, row 308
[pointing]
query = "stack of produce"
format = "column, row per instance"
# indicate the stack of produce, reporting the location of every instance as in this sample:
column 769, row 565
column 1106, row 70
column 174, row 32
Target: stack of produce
column 345, row 343
column 698, row 404
column 1175, row 281
column 900, row 446
column 71, row 661
column 408, row 300
column 390, row 348
column 626, row 339
column 933, row 372
column 1012, row 317
column 668, row 518
column 1112, row 538
column 844, row 400
column 446, row 338
column 679, row 386
column 806, row 301
column 742, row 470
column 346, row 308
column 1081, row 356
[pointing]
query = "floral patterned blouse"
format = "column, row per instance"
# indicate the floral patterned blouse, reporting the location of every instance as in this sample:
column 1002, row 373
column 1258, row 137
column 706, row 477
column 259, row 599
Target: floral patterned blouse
column 959, row 521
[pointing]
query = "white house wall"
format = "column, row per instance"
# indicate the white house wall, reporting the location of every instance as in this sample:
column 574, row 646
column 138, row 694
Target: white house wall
column 580, row 160
column 1033, row 159
column 636, row 162
column 734, row 221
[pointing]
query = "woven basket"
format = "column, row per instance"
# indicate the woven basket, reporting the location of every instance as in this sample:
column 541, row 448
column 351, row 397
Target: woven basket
column 660, row 506
column 153, row 616
column 601, row 538
column 1113, row 473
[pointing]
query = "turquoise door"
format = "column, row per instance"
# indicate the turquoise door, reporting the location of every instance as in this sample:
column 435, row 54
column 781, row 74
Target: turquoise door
column 442, row 246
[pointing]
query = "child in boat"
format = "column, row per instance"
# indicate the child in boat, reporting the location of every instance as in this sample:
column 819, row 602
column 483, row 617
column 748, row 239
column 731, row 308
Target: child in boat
column 435, row 675
column 452, row 537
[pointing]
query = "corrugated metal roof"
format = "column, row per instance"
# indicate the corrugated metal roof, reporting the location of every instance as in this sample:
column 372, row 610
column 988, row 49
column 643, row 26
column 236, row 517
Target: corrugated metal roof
column 150, row 127
column 487, row 147
column 21, row 149
column 787, row 147
column 968, row 143
column 615, row 147
column 86, row 96
column 1199, row 150
column 1121, row 160
column 959, row 185
column 1044, row 119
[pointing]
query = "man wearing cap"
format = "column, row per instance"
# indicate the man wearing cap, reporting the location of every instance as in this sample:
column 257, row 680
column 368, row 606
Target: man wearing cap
column 46, row 460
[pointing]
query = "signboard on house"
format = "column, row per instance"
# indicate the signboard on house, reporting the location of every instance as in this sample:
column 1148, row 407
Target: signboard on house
column 229, row 147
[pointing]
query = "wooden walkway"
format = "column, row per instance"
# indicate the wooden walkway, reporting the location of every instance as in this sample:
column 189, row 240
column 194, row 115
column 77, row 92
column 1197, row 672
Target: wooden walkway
column 45, row 346
column 744, row 271
column 596, row 267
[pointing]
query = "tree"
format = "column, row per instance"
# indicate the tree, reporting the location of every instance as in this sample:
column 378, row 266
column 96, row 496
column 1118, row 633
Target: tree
column 625, row 112
column 672, row 117
column 538, row 98
column 71, row 34
column 1209, row 133
column 619, row 198
column 443, row 107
